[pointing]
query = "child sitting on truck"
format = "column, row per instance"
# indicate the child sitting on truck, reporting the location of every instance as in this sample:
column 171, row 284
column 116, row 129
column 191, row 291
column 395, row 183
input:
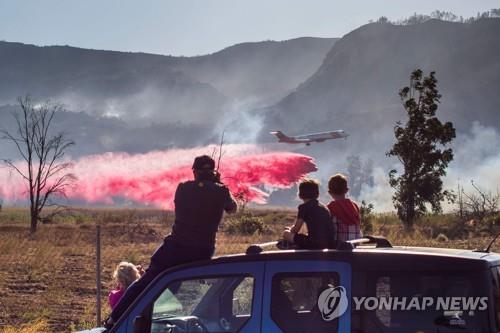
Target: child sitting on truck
column 344, row 211
column 315, row 215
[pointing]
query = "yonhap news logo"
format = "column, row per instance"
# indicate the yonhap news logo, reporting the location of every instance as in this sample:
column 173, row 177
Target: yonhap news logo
column 333, row 303
column 424, row 303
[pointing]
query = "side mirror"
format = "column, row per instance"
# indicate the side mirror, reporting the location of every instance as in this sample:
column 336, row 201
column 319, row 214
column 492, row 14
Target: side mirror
column 140, row 325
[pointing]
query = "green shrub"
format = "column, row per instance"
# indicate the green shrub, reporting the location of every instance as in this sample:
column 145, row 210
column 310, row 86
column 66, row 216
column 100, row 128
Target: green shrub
column 365, row 212
column 246, row 224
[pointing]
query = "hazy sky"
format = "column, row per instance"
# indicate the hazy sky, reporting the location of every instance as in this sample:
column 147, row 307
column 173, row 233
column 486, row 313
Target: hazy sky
column 190, row 27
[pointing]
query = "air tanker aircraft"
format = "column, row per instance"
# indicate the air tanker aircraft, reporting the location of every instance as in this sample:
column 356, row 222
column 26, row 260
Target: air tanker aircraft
column 310, row 138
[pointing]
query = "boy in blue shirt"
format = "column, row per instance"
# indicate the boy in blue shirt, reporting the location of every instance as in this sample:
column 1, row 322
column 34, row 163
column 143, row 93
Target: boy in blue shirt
column 321, row 232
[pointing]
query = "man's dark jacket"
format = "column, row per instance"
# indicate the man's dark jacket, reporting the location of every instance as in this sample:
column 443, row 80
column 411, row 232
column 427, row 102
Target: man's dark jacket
column 199, row 205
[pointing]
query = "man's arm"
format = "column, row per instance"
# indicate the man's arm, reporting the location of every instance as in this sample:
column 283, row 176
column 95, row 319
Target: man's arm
column 231, row 206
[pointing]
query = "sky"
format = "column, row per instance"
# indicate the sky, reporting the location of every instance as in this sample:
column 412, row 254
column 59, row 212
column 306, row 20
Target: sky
column 196, row 27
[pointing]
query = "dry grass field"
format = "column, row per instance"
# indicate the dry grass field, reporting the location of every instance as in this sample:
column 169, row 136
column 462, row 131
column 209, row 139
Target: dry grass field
column 47, row 280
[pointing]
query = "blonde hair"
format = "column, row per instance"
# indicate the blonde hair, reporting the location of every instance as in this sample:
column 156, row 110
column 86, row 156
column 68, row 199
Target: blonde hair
column 126, row 273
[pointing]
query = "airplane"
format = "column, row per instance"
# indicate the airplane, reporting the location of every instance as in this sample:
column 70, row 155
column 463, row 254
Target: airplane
column 310, row 138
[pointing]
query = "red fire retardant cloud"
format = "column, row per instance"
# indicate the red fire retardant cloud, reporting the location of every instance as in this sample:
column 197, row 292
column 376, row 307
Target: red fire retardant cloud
column 152, row 178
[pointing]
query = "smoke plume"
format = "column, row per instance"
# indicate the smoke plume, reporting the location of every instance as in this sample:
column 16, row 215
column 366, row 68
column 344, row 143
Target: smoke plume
column 152, row 178
column 476, row 158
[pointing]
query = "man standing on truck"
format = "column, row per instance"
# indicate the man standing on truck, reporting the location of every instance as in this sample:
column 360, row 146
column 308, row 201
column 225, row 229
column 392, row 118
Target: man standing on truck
column 199, row 206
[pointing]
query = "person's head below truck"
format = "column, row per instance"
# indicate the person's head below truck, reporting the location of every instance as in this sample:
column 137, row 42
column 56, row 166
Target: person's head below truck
column 199, row 206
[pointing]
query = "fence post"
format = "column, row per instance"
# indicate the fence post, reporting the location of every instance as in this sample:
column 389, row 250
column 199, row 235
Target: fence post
column 98, row 274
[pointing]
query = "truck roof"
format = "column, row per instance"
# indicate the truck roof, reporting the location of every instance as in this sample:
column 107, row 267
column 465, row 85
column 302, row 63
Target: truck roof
column 390, row 258
column 366, row 259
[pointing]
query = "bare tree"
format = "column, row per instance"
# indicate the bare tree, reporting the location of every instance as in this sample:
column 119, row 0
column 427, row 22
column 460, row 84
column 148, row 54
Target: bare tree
column 481, row 204
column 42, row 166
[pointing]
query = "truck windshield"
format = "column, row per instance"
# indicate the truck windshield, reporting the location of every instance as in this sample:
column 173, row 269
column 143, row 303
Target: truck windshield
column 215, row 304
column 420, row 301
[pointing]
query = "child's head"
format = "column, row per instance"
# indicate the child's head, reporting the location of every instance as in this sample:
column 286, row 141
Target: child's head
column 337, row 185
column 308, row 189
column 126, row 273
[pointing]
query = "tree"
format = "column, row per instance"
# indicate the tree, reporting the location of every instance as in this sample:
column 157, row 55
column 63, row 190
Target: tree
column 415, row 19
column 420, row 147
column 42, row 166
column 444, row 16
column 383, row 19
column 366, row 217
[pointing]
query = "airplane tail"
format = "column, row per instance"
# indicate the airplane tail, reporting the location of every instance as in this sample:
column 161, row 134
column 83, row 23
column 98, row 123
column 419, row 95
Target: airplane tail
column 280, row 135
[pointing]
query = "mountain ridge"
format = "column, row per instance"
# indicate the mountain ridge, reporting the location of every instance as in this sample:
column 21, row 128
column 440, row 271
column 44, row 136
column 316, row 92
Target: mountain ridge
column 363, row 72
column 137, row 94
column 51, row 71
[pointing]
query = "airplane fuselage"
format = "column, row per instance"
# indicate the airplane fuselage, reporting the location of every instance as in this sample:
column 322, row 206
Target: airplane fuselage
column 310, row 138
column 322, row 136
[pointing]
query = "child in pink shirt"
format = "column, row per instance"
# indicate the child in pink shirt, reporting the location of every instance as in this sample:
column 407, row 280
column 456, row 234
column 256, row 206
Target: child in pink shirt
column 123, row 276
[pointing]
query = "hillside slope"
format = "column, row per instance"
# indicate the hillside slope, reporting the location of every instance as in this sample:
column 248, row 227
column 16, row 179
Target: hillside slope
column 356, row 86
column 152, row 88
column 262, row 70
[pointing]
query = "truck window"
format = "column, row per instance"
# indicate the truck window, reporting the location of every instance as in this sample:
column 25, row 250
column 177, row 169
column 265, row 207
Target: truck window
column 294, row 301
column 214, row 304
column 390, row 317
column 242, row 298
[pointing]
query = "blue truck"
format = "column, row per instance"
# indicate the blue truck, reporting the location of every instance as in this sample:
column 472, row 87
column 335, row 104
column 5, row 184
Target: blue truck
column 363, row 286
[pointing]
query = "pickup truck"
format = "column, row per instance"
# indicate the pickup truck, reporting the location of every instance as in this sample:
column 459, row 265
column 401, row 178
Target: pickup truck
column 363, row 286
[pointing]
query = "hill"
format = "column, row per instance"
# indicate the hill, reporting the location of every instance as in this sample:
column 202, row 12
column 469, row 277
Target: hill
column 262, row 70
column 155, row 88
column 94, row 134
column 356, row 86
column 356, row 89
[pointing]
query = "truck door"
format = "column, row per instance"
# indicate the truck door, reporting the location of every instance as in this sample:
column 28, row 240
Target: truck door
column 223, row 297
column 306, row 297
